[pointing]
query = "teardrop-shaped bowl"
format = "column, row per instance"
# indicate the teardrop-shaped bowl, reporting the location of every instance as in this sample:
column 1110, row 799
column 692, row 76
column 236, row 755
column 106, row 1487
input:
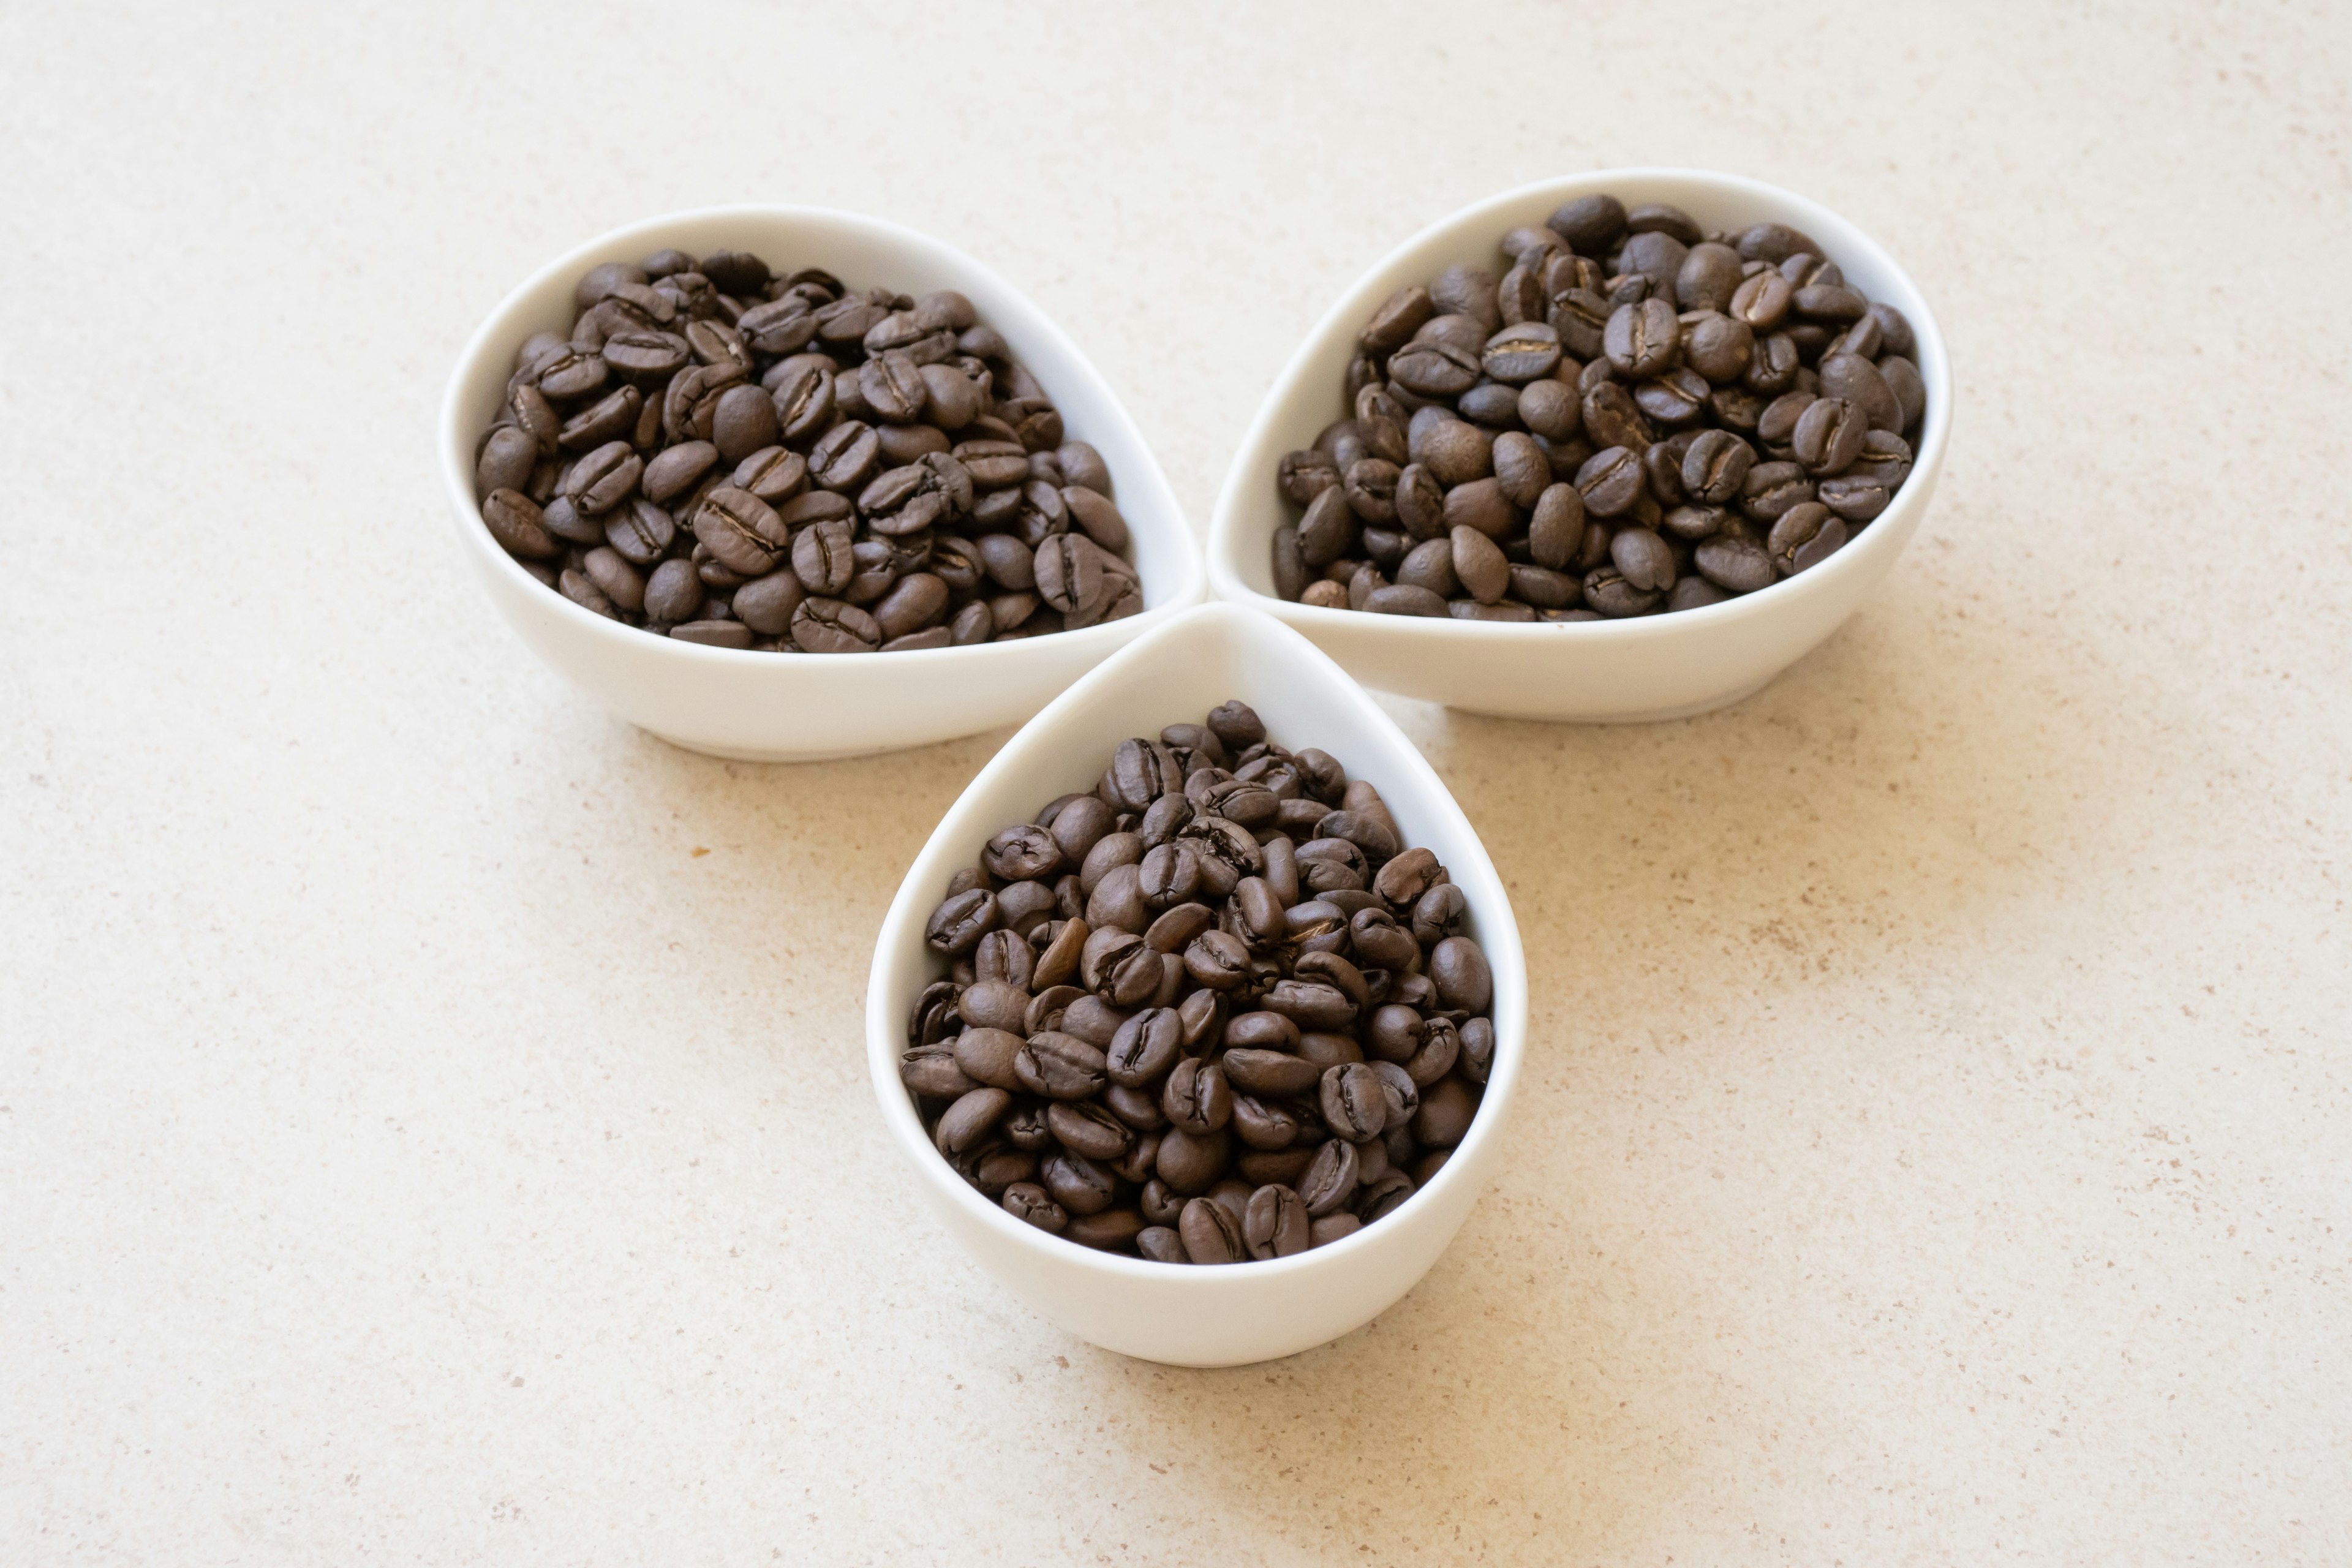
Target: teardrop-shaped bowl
column 1651, row 667
column 1226, row 1315
column 802, row 707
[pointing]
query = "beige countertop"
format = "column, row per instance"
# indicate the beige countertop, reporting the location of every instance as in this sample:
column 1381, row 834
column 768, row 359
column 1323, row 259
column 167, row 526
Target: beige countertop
column 434, row 1125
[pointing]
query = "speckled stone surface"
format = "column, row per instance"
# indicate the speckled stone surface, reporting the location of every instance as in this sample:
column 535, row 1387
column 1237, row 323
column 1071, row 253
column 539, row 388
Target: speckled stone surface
column 432, row 1120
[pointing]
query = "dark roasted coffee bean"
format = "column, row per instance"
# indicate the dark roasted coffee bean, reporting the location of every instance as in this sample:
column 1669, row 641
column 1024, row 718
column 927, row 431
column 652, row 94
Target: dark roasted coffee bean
column 1606, row 590
column 1772, row 488
column 1479, row 565
column 1643, row 340
column 1210, row 1234
column 1857, row 380
column 1903, row 379
column 1612, row 418
column 1804, row 536
column 1714, row 466
column 518, row 525
column 1274, row 1225
column 1353, row 1103
column 1590, row 225
column 1674, row 399
column 1734, row 565
column 1521, row 353
column 1829, row 434
column 832, row 626
column 1609, row 482
column 1642, row 559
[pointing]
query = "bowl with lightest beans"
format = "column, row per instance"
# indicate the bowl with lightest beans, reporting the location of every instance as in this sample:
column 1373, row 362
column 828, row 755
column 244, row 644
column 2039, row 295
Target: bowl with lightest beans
column 1171, row 1169
column 1619, row 447
column 780, row 483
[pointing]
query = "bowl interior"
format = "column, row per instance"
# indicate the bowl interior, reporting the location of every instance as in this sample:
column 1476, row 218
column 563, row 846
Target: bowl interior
column 863, row 252
column 1307, row 396
column 1176, row 674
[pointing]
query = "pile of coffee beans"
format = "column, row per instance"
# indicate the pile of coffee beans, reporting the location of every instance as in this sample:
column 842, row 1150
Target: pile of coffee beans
column 1212, row 1010
column 724, row 455
column 1635, row 417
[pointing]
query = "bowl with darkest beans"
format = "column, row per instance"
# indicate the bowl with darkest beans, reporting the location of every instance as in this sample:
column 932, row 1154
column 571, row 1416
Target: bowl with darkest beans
column 1619, row 446
column 1198, row 1018
column 779, row 483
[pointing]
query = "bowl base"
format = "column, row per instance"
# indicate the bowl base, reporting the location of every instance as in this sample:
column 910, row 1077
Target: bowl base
column 736, row 755
column 1654, row 716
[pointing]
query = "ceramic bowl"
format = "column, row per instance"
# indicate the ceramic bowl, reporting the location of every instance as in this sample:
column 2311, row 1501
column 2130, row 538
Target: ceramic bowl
column 768, row 707
column 1172, row 1312
column 1655, row 667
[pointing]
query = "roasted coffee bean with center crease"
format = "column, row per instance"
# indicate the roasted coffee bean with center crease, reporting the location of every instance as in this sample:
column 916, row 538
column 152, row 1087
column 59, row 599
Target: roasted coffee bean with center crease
column 1210, row 1234
column 741, row 531
column 824, row 557
column 1088, row 1129
column 1060, row 1066
column 1028, row 1201
column 604, row 478
column 1331, row 1178
column 1771, row 488
column 1274, row 1225
column 1609, row 481
column 1021, row 852
column 1829, row 434
column 1645, row 340
column 1804, row 536
column 1714, row 466
column 1197, row 1098
column 1353, row 1105
column 1607, row 591
column 1076, row 1183
column 1145, row 1046
column 518, row 525
column 1674, row 399
column 833, row 626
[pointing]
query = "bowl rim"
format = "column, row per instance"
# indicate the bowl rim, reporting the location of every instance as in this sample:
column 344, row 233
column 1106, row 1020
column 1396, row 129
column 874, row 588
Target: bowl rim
column 885, row 1032
column 491, row 337
column 1225, row 531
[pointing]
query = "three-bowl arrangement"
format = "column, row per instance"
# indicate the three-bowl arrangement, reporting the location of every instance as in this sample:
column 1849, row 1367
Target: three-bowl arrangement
column 1298, row 665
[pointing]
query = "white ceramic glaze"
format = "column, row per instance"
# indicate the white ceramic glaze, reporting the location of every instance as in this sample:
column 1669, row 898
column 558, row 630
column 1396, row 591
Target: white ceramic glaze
column 1171, row 1312
column 1657, row 667
column 801, row 707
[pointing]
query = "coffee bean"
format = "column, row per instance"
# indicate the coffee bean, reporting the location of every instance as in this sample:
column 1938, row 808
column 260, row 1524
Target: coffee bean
column 1804, row 536
column 1642, row 559
column 1734, row 565
column 1606, row 590
column 832, row 626
column 1829, row 434
column 1590, row 225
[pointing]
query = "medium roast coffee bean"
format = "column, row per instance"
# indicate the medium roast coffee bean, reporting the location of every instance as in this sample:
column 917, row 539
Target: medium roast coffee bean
column 1622, row 376
column 1202, row 1011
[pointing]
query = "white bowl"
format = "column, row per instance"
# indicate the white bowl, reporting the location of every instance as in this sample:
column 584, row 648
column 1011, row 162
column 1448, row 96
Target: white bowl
column 766, row 707
column 1171, row 1312
column 1654, row 666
